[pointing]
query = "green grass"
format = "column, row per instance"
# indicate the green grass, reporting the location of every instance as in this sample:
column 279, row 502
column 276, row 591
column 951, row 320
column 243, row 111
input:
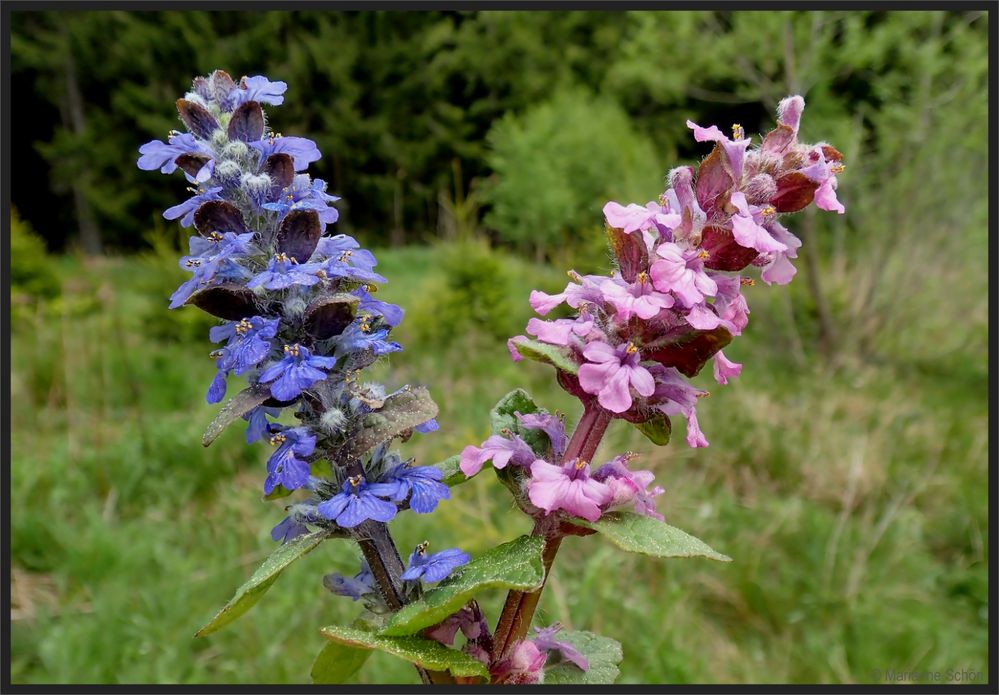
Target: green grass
column 852, row 498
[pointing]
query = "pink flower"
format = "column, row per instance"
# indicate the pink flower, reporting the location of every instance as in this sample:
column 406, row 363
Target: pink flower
column 682, row 272
column 675, row 396
column 567, row 487
column 730, row 304
column 725, row 369
column 638, row 299
column 825, row 196
column 637, row 218
column 779, row 269
column 612, row 372
column 560, row 331
column 500, row 449
column 586, row 288
column 747, row 232
column 735, row 150
column 703, row 318
column 630, row 486
column 522, row 667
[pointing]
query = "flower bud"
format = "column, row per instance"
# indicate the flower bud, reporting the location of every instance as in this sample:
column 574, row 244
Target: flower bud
column 333, row 421
column 220, row 138
column 257, row 187
column 236, row 149
column 760, row 189
column 294, row 308
column 228, row 173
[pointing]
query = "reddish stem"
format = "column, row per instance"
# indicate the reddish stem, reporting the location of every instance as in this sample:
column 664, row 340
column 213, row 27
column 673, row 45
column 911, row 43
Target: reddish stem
column 520, row 606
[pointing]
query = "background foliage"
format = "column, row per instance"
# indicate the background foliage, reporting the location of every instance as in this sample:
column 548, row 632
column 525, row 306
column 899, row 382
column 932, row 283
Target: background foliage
column 847, row 475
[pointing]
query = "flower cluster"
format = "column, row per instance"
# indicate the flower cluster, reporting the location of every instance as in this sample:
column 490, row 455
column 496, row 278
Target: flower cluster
column 569, row 486
column 672, row 303
column 297, row 315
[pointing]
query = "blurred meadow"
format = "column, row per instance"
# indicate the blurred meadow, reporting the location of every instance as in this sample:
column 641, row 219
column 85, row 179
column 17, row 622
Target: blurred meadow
column 847, row 472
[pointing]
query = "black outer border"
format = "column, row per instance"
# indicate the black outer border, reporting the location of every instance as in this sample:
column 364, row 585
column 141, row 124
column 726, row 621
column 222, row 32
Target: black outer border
column 420, row 5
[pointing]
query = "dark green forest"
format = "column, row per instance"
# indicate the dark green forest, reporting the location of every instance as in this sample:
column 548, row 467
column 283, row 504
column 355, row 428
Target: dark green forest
column 433, row 123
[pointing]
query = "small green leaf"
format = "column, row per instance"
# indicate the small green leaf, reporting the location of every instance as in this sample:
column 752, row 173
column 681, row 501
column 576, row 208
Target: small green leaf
column 429, row 654
column 658, row 429
column 503, row 416
column 515, row 565
column 403, row 411
column 247, row 595
column 238, row 406
column 451, row 471
column 543, row 352
column 337, row 662
column 603, row 654
column 643, row 534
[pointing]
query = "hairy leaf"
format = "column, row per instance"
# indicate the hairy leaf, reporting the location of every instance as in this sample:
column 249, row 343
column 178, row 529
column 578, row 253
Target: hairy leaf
column 643, row 534
column 229, row 301
column 543, row 352
column 451, row 472
column 247, row 595
column 219, row 216
column 327, row 316
column 427, row 653
column 602, row 653
column 401, row 412
column 299, row 234
column 237, row 406
column 514, row 565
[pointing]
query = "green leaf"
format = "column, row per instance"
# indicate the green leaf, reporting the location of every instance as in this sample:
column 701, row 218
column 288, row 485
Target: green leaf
column 337, row 662
column 427, row 653
column 451, row 471
column 402, row 411
column 247, row 595
column 278, row 492
column 514, row 565
column 238, row 406
column 643, row 534
column 543, row 352
column 503, row 416
column 603, row 654
column 658, row 429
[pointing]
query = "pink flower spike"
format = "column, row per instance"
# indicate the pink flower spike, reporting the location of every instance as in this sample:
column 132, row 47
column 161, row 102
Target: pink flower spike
column 725, row 369
column 567, row 487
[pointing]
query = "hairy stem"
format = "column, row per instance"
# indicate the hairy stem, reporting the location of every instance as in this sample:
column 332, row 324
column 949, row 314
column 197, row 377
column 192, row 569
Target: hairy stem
column 520, row 606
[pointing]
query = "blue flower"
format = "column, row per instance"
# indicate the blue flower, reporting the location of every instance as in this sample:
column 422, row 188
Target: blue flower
column 289, row 529
column 362, row 584
column 357, row 338
column 249, row 342
column 283, row 272
column 354, row 265
column 434, row 567
column 258, row 88
column 422, row 484
column 428, row 426
column 157, row 154
column 390, row 312
column 357, row 502
column 298, row 371
column 302, row 150
column 257, row 424
column 284, row 467
column 306, row 193
column 185, row 210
